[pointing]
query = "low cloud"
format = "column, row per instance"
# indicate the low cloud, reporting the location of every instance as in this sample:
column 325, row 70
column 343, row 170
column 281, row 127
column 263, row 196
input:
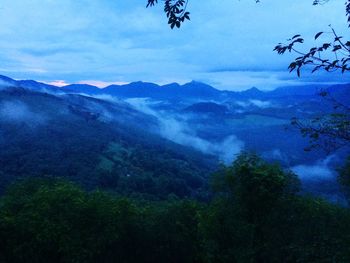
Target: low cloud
column 261, row 104
column 177, row 129
column 276, row 154
column 57, row 83
column 321, row 170
column 105, row 97
column 257, row 103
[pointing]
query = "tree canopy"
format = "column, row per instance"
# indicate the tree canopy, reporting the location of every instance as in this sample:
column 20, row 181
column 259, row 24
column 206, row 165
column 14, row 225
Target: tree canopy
column 255, row 216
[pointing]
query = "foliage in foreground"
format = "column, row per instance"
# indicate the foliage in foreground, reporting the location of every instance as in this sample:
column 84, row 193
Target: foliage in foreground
column 256, row 216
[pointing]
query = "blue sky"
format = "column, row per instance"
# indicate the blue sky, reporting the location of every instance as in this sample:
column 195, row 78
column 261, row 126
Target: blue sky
column 228, row 45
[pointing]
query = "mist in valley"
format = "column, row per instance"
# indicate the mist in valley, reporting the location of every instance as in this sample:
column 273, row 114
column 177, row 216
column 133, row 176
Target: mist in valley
column 177, row 128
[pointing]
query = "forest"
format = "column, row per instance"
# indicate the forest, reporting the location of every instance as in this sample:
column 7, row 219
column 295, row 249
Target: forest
column 53, row 220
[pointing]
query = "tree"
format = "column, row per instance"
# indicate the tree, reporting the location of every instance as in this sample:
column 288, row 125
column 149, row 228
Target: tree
column 55, row 221
column 258, row 216
column 253, row 206
column 255, row 184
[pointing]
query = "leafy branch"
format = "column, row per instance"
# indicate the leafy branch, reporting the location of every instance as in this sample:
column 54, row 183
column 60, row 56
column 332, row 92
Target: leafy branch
column 176, row 11
column 327, row 131
column 317, row 56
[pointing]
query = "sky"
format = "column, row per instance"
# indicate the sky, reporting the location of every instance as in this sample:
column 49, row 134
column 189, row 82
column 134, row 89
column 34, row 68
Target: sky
column 227, row 44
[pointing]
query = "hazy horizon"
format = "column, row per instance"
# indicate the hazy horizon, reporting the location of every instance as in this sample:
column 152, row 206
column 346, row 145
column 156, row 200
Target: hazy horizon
column 102, row 84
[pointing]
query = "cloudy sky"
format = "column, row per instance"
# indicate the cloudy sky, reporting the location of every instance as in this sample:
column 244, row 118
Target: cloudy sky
column 228, row 45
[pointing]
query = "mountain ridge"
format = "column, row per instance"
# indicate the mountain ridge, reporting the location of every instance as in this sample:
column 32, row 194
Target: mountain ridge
column 191, row 90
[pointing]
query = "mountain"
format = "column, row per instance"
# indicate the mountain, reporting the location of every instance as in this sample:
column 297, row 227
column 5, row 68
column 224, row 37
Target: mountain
column 192, row 90
column 133, row 90
column 143, row 138
column 201, row 90
column 95, row 143
column 38, row 86
column 207, row 108
column 82, row 88
column 298, row 91
column 252, row 93
column 6, row 81
column 29, row 84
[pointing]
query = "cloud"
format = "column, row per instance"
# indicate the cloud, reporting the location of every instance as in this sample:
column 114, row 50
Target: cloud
column 261, row 104
column 48, row 51
column 276, row 154
column 58, row 83
column 177, row 129
column 318, row 171
column 258, row 103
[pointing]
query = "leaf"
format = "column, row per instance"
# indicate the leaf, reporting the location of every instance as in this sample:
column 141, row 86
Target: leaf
column 318, row 35
column 299, row 40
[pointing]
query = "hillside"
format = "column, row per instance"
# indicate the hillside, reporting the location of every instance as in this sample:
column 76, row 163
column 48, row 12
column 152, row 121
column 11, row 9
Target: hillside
column 94, row 143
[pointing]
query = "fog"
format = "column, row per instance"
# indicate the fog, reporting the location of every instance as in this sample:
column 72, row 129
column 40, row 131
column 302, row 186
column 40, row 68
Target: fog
column 17, row 111
column 178, row 129
column 257, row 103
column 276, row 154
column 105, row 97
column 261, row 104
column 3, row 84
column 320, row 170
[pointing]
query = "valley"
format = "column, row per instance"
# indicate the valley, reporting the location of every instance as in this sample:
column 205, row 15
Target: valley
column 157, row 140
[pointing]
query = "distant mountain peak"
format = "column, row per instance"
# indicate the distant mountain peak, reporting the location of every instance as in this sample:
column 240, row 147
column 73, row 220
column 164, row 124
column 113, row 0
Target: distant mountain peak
column 139, row 84
column 136, row 82
column 252, row 92
column 80, row 85
column 82, row 88
column 253, row 89
column 171, row 85
column 197, row 84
